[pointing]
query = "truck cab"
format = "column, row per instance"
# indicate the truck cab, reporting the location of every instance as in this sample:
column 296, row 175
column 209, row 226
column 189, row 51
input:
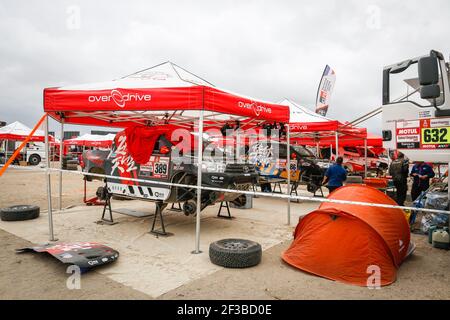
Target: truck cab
column 416, row 108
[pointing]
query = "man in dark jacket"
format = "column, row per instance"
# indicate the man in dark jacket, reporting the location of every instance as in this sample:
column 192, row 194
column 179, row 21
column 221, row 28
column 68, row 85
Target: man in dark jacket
column 422, row 173
column 399, row 170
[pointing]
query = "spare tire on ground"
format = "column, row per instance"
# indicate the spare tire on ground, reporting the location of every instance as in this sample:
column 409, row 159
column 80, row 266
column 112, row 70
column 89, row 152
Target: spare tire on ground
column 235, row 253
column 19, row 213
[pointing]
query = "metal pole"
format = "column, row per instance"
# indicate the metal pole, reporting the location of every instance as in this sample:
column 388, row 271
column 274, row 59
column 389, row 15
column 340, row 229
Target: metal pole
column 49, row 188
column 365, row 157
column 199, row 183
column 61, row 148
column 448, row 187
column 288, row 164
column 337, row 144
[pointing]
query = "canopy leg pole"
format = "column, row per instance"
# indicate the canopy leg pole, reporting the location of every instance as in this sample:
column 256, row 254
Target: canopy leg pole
column 288, row 166
column 48, row 181
column 61, row 148
column 365, row 157
column 199, row 184
column 337, row 144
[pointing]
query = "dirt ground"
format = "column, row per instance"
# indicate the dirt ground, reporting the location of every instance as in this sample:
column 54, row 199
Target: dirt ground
column 425, row 275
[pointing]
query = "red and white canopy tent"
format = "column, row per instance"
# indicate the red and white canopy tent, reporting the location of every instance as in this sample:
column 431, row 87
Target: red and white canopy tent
column 373, row 140
column 163, row 94
column 91, row 140
column 309, row 128
column 17, row 131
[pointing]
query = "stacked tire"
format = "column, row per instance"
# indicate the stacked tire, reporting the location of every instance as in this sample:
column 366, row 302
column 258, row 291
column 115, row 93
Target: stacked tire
column 68, row 163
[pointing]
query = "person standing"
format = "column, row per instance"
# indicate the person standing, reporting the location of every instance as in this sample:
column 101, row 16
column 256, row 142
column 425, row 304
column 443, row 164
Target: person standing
column 399, row 170
column 335, row 175
column 422, row 173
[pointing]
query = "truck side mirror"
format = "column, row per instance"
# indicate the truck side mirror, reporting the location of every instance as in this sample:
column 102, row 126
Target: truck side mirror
column 387, row 135
column 429, row 77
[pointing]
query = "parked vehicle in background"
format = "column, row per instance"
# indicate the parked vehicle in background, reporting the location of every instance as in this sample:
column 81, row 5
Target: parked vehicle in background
column 270, row 159
column 33, row 153
column 93, row 161
column 353, row 157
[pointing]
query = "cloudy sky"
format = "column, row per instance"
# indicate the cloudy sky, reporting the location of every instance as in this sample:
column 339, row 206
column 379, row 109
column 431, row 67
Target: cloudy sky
column 266, row 49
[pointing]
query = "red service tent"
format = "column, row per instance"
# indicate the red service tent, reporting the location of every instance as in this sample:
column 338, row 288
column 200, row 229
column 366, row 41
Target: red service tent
column 92, row 140
column 168, row 90
column 304, row 120
column 18, row 131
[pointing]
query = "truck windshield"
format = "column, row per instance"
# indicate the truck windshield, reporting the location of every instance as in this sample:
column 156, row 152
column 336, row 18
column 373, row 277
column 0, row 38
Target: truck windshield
column 404, row 86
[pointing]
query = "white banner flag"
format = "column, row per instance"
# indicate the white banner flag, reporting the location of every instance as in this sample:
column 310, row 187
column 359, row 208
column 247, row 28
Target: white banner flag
column 325, row 89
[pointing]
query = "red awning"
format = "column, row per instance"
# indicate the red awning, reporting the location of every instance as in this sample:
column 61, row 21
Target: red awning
column 17, row 131
column 162, row 94
column 91, row 140
column 304, row 120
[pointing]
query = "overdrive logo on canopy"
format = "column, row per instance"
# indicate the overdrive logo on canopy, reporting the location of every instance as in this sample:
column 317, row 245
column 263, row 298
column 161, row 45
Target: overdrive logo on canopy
column 257, row 108
column 119, row 98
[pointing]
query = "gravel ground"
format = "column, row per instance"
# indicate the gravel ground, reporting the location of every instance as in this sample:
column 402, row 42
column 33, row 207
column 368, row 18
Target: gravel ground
column 425, row 275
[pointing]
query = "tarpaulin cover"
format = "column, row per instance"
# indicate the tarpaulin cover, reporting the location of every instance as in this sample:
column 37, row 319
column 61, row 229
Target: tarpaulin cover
column 141, row 140
column 346, row 242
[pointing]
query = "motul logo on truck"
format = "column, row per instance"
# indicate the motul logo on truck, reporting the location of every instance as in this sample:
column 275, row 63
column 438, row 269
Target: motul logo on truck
column 257, row 108
column 120, row 99
column 408, row 131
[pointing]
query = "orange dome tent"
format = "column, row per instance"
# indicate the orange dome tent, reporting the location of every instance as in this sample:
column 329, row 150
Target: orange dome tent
column 343, row 242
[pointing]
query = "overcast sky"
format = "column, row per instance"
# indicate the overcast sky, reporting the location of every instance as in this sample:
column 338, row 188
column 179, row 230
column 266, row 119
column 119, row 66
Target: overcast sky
column 266, row 49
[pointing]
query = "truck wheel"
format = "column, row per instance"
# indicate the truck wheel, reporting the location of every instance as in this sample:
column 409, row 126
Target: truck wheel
column 19, row 213
column 235, row 253
column 34, row 159
column 311, row 187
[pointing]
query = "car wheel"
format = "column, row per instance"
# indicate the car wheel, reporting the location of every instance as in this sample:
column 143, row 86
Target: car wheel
column 235, row 253
column 19, row 213
column 240, row 201
column 34, row 159
column 190, row 207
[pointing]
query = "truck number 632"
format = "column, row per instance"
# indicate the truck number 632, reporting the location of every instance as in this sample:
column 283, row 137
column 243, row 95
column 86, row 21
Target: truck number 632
column 436, row 135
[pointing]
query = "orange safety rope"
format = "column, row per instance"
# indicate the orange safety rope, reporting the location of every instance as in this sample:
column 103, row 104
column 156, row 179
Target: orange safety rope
column 23, row 144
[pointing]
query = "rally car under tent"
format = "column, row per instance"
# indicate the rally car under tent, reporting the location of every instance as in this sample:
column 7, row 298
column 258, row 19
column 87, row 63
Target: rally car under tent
column 346, row 243
column 161, row 95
